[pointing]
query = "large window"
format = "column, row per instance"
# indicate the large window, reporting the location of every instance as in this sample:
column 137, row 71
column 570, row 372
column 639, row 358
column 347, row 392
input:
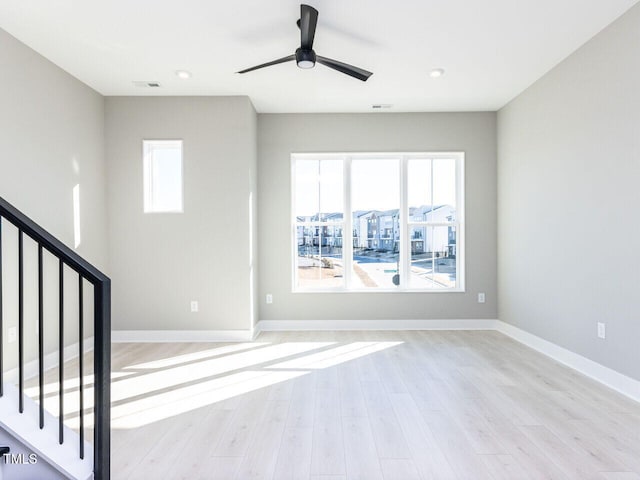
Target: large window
column 378, row 222
column 162, row 173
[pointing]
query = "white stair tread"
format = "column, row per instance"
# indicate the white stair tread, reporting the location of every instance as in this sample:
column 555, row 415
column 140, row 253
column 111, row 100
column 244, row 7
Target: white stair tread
column 24, row 426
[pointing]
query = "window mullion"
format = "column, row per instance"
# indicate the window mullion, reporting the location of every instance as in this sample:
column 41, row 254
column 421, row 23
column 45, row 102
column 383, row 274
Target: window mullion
column 294, row 233
column 404, row 253
column 460, row 223
column 347, row 236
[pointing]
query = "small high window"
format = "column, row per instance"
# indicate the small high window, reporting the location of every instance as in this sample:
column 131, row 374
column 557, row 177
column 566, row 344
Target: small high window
column 162, row 172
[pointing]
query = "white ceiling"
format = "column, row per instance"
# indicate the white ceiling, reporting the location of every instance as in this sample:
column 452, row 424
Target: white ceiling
column 491, row 49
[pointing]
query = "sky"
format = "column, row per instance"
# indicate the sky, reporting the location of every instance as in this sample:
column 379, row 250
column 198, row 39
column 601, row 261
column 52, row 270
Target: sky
column 163, row 162
column 375, row 184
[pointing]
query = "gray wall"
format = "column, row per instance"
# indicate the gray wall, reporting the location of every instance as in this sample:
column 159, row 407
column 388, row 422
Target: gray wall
column 280, row 135
column 160, row 262
column 51, row 138
column 568, row 172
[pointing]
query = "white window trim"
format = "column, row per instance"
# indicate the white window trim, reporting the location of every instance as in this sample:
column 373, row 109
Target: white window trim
column 147, row 193
column 347, row 246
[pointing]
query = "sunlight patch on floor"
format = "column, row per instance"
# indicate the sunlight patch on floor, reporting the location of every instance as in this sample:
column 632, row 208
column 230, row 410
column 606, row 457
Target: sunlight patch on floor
column 335, row 356
column 190, row 357
column 166, row 378
column 71, row 383
column 175, row 402
column 152, row 391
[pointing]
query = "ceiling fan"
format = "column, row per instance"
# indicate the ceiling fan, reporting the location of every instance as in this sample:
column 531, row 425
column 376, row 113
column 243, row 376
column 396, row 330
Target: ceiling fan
column 305, row 57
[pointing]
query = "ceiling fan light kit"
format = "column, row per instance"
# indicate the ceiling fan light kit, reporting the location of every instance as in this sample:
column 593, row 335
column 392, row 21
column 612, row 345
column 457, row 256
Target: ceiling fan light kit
column 306, row 57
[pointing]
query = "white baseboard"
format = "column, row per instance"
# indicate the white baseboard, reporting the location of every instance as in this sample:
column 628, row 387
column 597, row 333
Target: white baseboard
column 318, row 325
column 256, row 331
column 50, row 361
column 176, row 336
column 612, row 379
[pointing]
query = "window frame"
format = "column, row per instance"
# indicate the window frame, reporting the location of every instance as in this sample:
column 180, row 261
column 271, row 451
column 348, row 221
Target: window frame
column 147, row 175
column 405, row 223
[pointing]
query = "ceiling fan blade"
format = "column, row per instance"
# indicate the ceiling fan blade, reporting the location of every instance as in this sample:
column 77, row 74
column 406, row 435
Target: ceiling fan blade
column 268, row 64
column 355, row 72
column 308, row 22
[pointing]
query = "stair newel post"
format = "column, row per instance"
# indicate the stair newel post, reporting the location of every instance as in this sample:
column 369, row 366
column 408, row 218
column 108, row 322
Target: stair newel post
column 102, row 376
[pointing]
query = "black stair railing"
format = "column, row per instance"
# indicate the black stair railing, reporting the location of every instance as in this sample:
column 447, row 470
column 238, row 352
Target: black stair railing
column 102, row 333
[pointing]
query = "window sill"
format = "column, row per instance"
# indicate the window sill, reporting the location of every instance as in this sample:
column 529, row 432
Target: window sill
column 378, row 290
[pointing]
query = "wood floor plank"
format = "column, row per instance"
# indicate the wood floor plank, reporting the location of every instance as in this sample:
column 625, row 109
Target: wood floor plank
column 621, row 476
column 386, row 363
column 196, row 449
column 426, row 453
column 504, row 467
column 517, row 412
column 574, row 465
column 469, row 418
column 456, row 447
column 528, row 455
column 367, row 370
column 260, row 461
column 241, row 428
column 303, row 399
column 128, row 452
column 361, row 457
column 615, row 441
column 294, row 456
column 399, row 469
column 389, row 439
column 327, row 451
column 160, row 457
column 327, row 378
column 327, row 454
column 577, row 434
column 352, row 402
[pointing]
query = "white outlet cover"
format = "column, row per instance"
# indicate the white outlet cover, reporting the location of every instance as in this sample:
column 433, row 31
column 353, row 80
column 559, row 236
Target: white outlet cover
column 194, row 306
column 11, row 334
column 269, row 298
column 481, row 298
column 602, row 330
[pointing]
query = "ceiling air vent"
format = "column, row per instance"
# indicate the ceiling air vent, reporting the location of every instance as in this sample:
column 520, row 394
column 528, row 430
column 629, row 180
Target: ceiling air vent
column 146, row 84
column 379, row 106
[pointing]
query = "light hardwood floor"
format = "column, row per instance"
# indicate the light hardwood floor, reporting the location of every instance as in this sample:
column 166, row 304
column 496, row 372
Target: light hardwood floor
column 461, row 405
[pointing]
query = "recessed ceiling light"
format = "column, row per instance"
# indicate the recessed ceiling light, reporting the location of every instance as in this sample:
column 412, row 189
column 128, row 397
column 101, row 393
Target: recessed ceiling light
column 437, row 72
column 183, row 74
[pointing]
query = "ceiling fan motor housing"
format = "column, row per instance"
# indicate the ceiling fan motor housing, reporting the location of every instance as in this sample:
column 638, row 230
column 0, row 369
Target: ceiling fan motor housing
column 305, row 58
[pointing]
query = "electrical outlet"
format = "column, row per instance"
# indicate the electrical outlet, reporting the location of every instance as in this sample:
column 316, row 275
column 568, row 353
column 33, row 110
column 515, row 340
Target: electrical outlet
column 602, row 330
column 11, row 334
column 194, row 306
column 481, row 298
column 269, row 298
